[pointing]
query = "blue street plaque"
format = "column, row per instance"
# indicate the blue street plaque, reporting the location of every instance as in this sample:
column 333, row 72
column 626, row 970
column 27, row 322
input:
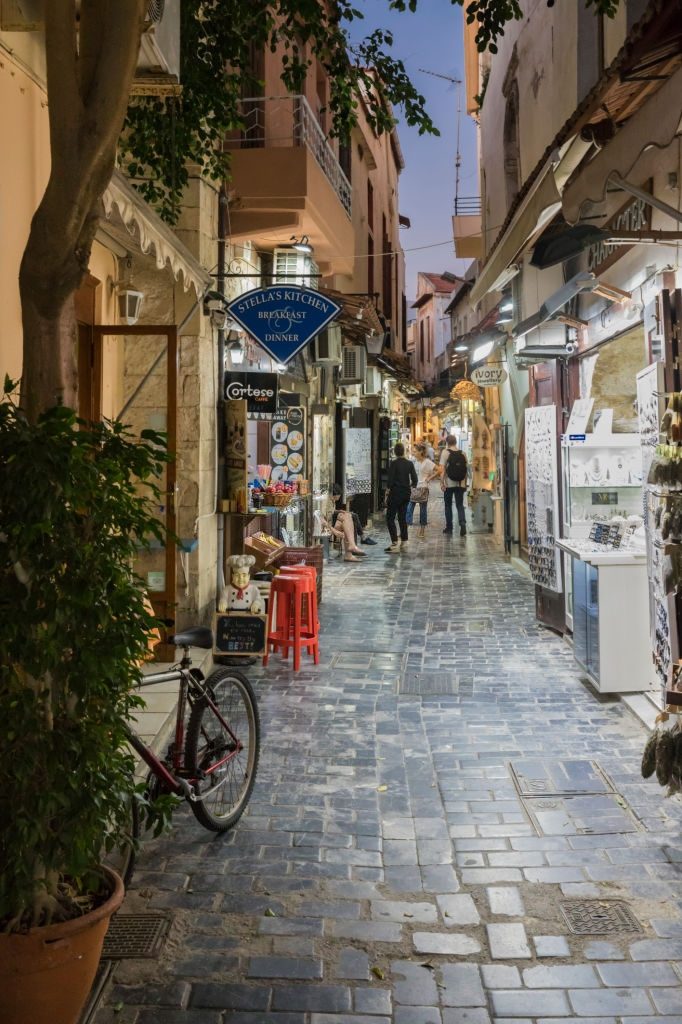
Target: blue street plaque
column 283, row 318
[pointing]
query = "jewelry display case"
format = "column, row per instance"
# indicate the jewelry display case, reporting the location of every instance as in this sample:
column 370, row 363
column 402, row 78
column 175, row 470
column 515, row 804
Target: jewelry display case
column 602, row 480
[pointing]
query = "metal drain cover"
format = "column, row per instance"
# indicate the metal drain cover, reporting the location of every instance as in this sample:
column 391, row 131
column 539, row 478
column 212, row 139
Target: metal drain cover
column 135, row 936
column 428, row 684
column 599, row 917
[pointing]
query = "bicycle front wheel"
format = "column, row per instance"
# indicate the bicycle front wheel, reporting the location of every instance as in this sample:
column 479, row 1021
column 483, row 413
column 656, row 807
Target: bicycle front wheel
column 224, row 761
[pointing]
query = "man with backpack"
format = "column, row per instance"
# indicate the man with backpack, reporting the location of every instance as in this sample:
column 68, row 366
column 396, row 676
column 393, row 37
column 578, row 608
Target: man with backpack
column 454, row 483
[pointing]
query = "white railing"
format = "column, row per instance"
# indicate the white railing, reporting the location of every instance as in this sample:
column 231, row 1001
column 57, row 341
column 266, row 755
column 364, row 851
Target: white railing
column 276, row 121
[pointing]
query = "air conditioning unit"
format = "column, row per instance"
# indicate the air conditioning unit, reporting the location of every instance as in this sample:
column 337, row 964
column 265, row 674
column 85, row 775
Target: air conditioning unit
column 327, row 347
column 21, row 15
column 372, row 381
column 158, row 62
column 354, row 365
column 288, row 264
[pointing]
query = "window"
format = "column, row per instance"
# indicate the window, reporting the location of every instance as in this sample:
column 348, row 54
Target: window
column 345, row 154
column 421, row 342
column 370, row 205
column 403, row 340
column 387, row 272
column 512, row 152
column 370, row 263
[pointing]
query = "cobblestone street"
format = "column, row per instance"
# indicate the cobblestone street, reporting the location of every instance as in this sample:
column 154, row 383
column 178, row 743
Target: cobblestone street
column 437, row 804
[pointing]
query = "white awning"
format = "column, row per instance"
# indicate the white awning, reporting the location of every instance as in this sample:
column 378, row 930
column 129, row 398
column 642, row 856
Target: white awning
column 535, row 212
column 635, row 148
column 151, row 232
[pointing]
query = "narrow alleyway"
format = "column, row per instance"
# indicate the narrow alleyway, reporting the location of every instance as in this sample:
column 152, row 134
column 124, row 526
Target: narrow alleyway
column 434, row 802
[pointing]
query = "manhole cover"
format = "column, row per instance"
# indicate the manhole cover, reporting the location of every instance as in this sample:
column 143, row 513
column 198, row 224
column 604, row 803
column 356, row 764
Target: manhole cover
column 459, row 626
column 428, row 684
column 598, row 815
column 135, row 936
column 568, row 778
column 599, row 917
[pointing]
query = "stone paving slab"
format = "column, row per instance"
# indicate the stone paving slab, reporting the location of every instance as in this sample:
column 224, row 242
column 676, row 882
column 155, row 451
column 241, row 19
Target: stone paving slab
column 387, row 869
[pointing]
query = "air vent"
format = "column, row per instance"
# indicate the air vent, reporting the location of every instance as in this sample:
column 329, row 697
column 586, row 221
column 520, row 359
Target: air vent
column 354, row 365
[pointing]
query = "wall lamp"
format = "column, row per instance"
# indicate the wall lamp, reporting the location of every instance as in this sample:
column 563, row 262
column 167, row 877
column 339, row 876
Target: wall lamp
column 302, row 244
column 129, row 299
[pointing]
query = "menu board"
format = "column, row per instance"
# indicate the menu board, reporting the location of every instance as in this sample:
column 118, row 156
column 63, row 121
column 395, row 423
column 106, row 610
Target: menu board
column 287, row 445
column 542, row 497
column 239, row 633
column 235, row 453
column 358, row 460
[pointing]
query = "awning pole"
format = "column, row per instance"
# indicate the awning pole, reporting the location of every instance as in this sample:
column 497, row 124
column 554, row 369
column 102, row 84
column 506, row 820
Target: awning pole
column 646, row 197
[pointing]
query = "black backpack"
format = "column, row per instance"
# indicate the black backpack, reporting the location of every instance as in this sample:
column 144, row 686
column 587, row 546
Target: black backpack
column 456, row 467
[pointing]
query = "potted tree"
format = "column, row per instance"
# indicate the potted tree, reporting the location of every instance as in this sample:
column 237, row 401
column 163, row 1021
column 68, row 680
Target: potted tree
column 74, row 507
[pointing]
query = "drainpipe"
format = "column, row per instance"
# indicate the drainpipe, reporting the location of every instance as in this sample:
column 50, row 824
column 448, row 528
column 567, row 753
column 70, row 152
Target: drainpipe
column 220, row 410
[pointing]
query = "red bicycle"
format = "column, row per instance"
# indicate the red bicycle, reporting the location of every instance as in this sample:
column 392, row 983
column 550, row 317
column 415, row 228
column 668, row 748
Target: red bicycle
column 213, row 759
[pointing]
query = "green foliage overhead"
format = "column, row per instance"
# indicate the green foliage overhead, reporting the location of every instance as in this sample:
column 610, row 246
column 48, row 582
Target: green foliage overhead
column 164, row 135
column 74, row 508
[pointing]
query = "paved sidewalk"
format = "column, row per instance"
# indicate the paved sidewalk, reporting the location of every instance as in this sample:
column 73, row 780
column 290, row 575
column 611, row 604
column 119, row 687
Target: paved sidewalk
column 414, row 856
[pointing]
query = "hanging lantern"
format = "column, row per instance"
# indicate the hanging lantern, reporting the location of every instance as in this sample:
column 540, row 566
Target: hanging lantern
column 465, row 391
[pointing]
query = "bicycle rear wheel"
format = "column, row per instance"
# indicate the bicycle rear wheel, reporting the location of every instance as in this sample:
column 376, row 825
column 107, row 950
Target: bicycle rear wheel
column 228, row 788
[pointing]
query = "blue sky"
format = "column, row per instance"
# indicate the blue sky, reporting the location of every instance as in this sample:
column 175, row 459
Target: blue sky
column 432, row 39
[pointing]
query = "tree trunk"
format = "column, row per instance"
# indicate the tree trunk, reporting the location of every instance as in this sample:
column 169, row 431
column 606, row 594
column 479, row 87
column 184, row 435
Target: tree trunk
column 91, row 61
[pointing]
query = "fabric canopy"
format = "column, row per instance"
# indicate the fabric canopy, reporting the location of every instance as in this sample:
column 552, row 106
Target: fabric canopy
column 535, row 212
column 635, row 148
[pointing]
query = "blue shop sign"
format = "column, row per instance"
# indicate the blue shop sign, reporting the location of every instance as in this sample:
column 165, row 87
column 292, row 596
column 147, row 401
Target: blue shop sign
column 283, row 318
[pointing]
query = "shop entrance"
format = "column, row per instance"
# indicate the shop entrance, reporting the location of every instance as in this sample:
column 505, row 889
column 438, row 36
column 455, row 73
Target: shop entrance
column 133, row 378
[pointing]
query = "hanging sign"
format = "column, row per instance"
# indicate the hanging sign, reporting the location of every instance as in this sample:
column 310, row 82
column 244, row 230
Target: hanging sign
column 258, row 389
column 489, row 376
column 283, row 318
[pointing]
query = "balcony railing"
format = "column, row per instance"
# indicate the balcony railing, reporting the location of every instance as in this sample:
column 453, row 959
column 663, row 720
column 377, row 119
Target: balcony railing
column 280, row 121
column 467, row 206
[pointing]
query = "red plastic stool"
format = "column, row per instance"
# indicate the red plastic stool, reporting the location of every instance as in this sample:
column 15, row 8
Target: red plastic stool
column 296, row 593
column 311, row 572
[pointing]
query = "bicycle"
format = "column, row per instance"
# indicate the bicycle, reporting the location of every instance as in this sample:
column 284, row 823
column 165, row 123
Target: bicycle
column 213, row 758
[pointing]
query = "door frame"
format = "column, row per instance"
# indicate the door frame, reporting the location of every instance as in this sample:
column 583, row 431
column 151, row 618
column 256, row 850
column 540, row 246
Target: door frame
column 163, row 602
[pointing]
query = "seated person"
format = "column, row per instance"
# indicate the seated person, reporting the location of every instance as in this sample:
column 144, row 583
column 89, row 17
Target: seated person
column 342, row 526
column 357, row 525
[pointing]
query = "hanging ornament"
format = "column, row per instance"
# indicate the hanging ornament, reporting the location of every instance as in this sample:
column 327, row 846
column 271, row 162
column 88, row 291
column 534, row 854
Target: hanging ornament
column 465, row 391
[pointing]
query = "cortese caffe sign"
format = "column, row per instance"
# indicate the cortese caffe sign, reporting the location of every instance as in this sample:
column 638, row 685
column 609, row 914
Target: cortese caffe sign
column 489, row 376
column 283, row 318
column 259, row 390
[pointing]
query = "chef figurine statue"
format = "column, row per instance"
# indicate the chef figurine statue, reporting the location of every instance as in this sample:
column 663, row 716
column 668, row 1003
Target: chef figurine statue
column 240, row 594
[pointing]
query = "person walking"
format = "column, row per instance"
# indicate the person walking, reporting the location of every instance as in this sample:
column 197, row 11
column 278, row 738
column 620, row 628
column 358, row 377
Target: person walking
column 454, row 483
column 402, row 477
column 426, row 471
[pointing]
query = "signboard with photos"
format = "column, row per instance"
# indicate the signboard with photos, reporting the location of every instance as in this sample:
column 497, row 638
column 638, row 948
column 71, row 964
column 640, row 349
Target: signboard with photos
column 288, row 445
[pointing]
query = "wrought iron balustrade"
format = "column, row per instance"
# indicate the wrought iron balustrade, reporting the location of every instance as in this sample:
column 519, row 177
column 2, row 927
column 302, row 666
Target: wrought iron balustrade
column 281, row 121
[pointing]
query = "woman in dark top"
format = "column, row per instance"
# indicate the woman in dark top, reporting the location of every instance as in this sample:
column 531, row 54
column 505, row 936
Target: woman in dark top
column 402, row 477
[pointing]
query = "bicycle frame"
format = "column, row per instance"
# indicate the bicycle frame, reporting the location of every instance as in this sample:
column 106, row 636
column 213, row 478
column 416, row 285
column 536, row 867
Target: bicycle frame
column 176, row 783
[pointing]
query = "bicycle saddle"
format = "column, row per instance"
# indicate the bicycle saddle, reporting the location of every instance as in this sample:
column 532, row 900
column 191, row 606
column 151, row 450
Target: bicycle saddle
column 196, row 636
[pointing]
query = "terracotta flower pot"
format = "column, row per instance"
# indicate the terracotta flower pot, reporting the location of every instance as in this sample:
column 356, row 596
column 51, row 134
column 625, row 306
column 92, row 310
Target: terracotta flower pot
column 46, row 975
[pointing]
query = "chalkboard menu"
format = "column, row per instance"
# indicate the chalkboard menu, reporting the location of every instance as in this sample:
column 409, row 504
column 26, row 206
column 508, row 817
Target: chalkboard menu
column 239, row 633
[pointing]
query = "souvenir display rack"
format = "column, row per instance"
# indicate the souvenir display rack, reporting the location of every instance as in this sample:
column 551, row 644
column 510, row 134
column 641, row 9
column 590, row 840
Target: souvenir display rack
column 542, row 497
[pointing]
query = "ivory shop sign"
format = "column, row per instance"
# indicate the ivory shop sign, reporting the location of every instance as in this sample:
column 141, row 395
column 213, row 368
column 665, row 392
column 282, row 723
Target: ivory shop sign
column 259, row 390
column 283, row 318
column 489, row 376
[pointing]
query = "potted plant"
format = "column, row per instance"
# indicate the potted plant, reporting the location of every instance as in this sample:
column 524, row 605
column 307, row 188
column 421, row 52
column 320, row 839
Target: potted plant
column 74, row 508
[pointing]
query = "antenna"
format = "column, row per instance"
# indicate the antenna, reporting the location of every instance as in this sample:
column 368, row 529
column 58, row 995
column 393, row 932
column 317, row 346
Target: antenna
column 458, row 156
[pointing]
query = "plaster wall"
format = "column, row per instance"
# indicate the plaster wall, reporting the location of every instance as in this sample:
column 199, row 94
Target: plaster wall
column 539, row 53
